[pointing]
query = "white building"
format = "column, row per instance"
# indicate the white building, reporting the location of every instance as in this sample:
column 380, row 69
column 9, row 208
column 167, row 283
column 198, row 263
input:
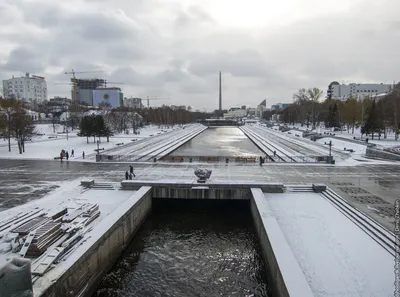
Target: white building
column 343, row 91
column 235, row 112
column 27, row 88
column 260, row 110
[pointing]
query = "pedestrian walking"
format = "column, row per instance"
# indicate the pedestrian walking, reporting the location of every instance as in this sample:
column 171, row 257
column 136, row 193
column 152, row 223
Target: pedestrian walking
column 131, row 170
column 261, row 160
column 274, row 153
column 72, row 152
column 83, row 154
column 126, row 175
column 67, row 155
column 61, row 156
column 130, row 176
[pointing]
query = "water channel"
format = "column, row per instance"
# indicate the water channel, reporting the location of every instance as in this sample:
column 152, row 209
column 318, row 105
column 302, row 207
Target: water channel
column 219, row 141
column 191, row 248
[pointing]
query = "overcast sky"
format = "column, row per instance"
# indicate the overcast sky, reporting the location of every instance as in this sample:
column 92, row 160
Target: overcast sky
column 169, row 48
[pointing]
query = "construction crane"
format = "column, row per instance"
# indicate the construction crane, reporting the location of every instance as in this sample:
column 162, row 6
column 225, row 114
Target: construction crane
column 148, row 100
column 111, row 82
column 74, row 81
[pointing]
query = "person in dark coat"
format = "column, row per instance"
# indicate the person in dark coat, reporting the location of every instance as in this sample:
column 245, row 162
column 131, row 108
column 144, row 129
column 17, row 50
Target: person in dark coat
column 72, row 152
column 131, row 170
column 67, row 155
column 126, row 175
column 83, row 154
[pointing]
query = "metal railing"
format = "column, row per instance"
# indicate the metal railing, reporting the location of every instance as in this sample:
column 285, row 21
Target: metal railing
column 213, row 159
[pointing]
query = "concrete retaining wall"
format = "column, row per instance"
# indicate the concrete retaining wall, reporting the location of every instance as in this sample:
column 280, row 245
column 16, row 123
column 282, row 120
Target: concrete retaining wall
column 84, row 275
column 285, row 277
column 201, row 192
column 209, row 190
column 374, row 153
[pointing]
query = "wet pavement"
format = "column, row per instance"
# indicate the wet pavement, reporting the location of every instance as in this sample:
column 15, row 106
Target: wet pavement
column 371, row 188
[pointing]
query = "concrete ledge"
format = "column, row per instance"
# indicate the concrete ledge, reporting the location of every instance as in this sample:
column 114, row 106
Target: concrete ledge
column 284, row 273
column 375, row 153
column 318, row 188
column 87, row 183
column 87, row 265
column 265, row 187
column 194, row 190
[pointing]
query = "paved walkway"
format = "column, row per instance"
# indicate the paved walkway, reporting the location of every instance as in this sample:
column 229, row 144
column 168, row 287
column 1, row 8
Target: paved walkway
column 371, row 188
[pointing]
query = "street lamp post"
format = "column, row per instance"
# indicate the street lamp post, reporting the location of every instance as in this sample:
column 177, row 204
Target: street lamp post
column 330, row 149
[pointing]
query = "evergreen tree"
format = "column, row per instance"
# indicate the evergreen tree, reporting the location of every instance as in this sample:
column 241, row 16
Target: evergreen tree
column 94, row 125
column 374, row 122
column 86, row 127
column 332, row 118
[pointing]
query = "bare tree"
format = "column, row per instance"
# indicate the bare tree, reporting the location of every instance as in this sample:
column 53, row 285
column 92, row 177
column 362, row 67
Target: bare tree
column 7, row 107
column 313, row 95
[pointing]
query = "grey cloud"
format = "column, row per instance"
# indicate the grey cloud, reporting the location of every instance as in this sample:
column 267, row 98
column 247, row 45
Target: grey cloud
column 100, row 27
column 24, row 60
column 246, row 63
column 193, row 16
column 129, row 76
column 171, row 75
column 163, row 48
column 197, row 86
column 126, row 52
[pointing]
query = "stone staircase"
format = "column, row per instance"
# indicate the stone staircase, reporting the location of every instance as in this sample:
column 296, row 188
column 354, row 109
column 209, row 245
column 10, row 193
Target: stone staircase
column 104, row 186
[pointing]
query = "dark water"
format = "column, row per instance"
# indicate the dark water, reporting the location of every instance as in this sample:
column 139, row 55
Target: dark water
column 191, row 248
column 219, row 141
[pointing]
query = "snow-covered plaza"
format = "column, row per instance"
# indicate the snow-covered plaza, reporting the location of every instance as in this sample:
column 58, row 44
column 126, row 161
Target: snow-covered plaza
column 37, row 183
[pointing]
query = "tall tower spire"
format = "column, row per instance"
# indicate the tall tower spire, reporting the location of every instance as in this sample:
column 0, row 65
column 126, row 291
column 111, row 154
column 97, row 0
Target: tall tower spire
column 220, row 92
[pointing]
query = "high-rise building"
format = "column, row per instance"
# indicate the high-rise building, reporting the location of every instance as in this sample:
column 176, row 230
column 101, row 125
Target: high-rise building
column 343, row 91
column 27, row 88
column 82, row 89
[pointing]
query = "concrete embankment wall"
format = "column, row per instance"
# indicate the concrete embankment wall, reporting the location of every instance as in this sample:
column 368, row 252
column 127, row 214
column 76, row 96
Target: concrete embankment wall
column 285, row 277
column 209, row 190
column 374, row 153
column 84, row 275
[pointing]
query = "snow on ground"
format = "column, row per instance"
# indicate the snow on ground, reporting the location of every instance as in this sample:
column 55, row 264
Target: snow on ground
column 388, row 142
column 71, row 195
column 116, row 203
column 43, row 147
column 336, row 256
column 359, row 149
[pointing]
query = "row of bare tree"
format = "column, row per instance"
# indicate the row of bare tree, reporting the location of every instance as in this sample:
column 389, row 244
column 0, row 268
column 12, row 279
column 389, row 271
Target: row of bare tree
column 376, row 115
column 123, row 118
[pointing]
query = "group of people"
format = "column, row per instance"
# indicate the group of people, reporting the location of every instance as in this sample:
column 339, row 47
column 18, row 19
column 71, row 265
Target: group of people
column 66, row 155
column 130, row 174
